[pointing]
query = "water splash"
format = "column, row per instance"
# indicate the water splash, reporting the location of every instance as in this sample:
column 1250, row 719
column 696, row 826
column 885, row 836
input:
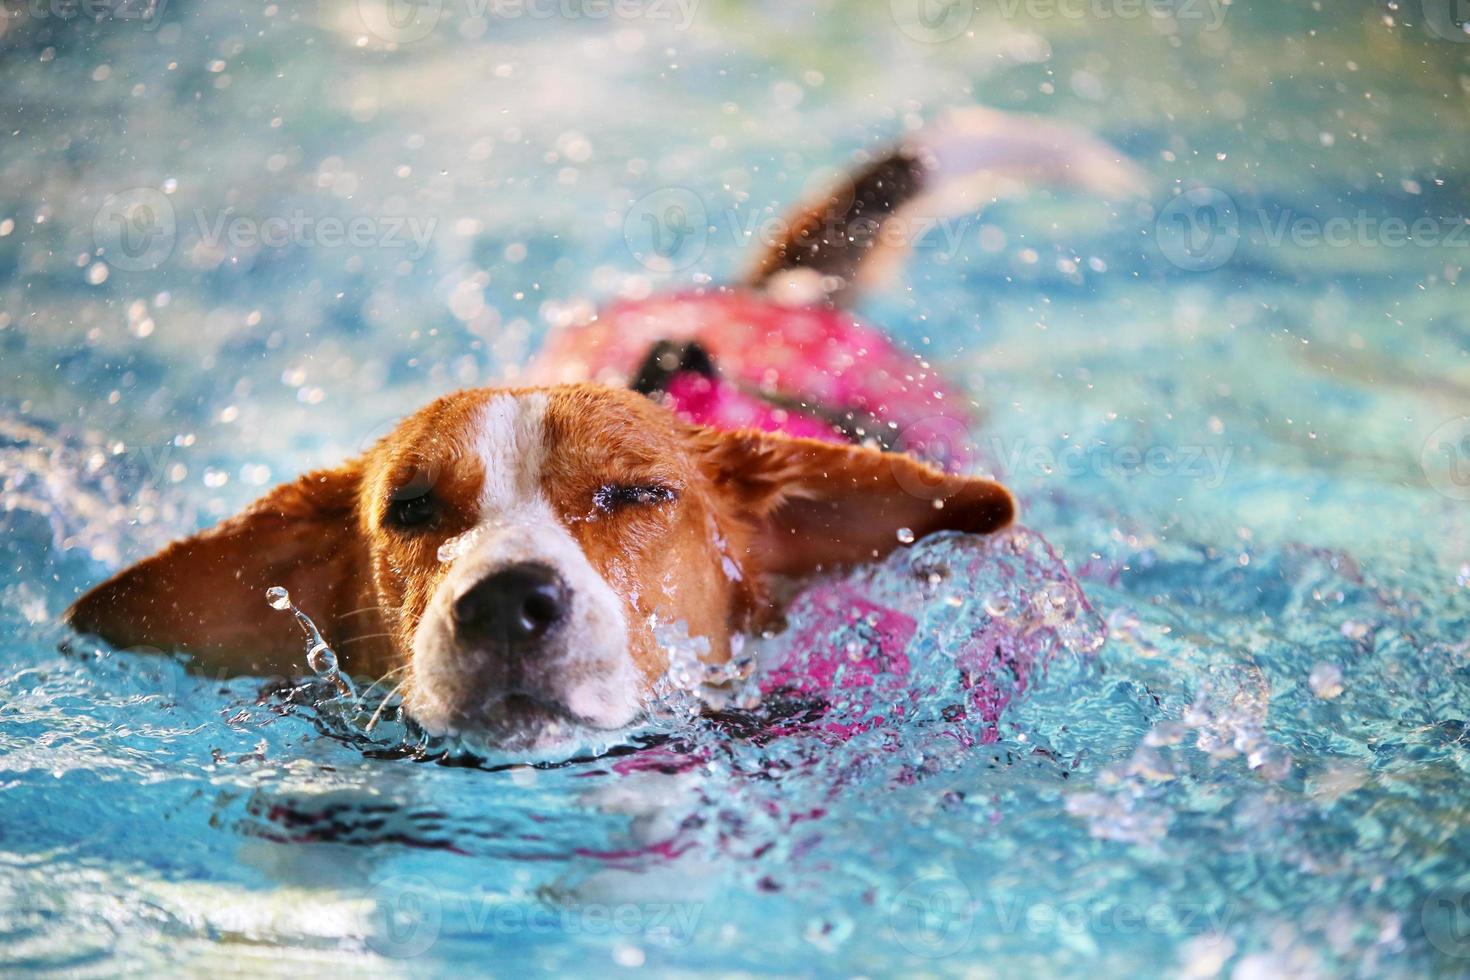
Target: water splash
column 74, row 492
column 928, row 648
column 320, row 657
column 957, row 624
column 690, row 686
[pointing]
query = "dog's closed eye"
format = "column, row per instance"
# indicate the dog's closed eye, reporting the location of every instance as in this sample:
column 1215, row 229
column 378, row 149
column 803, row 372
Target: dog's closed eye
column 612, row 497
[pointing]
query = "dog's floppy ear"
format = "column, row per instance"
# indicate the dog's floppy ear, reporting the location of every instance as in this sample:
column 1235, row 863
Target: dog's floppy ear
column 206, row 594
column 817, row 504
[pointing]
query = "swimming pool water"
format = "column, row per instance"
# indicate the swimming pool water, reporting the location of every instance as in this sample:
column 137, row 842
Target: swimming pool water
column 1238, row 416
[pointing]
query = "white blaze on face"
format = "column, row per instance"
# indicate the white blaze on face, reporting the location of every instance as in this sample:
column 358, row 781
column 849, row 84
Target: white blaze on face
column 586, row 666
column 510, row 438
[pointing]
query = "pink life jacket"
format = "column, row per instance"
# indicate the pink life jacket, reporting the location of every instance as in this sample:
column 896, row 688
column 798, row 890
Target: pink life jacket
column 738, row 359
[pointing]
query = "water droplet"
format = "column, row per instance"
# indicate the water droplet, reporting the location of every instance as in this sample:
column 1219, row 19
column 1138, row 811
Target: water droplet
column 906, row 535
column 628, row 955
column 278, row 597
column 322, row 659
column 1325, row 680
column 458, row 545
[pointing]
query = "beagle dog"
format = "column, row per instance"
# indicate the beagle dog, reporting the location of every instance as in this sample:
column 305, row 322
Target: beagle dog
column 518, row 551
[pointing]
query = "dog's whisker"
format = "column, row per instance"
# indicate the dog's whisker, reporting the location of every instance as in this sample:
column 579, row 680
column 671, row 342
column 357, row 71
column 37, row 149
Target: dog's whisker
column 380, row 680
column 379, row 713
column 365, row 636
column 358, row 612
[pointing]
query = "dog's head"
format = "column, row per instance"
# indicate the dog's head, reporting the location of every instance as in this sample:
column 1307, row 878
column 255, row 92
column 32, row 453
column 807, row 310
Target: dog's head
column 515, row 551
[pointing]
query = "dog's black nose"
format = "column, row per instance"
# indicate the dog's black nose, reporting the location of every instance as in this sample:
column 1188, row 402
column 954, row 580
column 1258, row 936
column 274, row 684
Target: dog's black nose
column 517, row 606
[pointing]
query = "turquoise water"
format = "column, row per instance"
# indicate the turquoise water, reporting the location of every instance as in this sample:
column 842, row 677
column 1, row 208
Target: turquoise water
column 1237, row 415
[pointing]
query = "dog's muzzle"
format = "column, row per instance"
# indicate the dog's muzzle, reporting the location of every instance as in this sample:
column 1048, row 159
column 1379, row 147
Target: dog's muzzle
column 522, row 643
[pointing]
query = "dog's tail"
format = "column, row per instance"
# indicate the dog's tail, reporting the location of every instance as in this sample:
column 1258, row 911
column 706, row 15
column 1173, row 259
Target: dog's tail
column 968, row 159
